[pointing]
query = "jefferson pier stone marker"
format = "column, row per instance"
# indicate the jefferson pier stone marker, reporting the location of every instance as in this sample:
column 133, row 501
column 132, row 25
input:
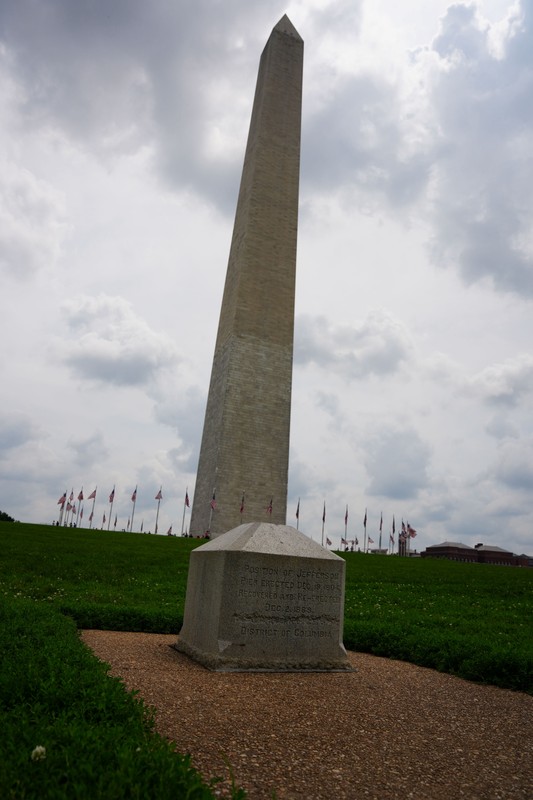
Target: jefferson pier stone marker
column 245, row 441
column 265, row 597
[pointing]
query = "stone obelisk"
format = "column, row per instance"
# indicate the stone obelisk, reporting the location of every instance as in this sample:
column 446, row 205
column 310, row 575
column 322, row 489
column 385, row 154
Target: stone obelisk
column 243, row 465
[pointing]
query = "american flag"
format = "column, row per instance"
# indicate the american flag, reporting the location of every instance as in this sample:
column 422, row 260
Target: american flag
column 159, row 495
column 328, row 542
column 269, row 506
column 112, row 495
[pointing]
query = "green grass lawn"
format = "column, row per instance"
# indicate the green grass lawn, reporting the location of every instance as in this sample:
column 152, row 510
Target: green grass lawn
column 69, row 730
column 471, row 620
column 116, row 581
column 474, row 621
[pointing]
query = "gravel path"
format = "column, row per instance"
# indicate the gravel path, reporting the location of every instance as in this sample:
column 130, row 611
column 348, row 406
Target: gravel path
column 388, row 731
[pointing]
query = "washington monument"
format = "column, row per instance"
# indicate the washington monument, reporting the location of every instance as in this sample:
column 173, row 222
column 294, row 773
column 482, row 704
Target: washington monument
column 244, row 455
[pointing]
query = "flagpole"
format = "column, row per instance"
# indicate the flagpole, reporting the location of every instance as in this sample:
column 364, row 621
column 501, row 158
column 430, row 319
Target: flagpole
column 184, row 507
column 111, row 501
column 92, row 509
column 69, row 510
column 134, row 498
column 80, row 497
column 364, row 538
column 159, row 496
column 157, row 516
column 380, row 529
column 298, row 516
column 346, row 526
column 62, row 511
column 323, row 521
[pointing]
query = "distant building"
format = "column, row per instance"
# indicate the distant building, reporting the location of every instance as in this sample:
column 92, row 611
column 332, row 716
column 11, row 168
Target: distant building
column 480, row 554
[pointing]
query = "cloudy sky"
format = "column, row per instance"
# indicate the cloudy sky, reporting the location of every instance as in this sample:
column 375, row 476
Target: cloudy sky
column 123, row 132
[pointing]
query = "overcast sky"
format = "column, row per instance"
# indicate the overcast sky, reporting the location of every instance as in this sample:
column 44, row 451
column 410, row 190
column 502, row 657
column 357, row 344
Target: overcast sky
column 123, row 131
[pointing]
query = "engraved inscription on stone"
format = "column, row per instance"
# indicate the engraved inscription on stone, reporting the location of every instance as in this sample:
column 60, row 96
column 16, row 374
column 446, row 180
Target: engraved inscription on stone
column 287, row 603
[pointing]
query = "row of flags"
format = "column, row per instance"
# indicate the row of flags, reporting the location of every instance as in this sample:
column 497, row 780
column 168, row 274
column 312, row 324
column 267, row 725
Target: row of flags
column 68, row 512
column 407, row 531
column 63, row 499
column 68, row 505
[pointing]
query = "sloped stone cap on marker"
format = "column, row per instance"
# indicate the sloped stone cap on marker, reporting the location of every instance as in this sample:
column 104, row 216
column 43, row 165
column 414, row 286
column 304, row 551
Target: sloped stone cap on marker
column 265, row 597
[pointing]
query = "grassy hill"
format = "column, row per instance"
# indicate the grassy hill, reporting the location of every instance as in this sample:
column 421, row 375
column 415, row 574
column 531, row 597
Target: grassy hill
column 472, row 620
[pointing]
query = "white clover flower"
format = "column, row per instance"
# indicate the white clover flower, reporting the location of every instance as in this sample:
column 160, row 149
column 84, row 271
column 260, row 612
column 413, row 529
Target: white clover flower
column 39, row 753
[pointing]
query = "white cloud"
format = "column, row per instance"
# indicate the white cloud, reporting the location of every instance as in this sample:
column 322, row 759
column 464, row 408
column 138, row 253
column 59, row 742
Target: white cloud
column 16, row 430
column 112, row 344
column 32, row 222
column 89, row 450
column 481, row 189
column 377, row 346
column 397, row 462
column 505, row 384
column 514, row 467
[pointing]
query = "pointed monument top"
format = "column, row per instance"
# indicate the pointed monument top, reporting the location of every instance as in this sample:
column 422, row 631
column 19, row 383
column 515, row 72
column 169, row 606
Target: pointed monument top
column 286, row 26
